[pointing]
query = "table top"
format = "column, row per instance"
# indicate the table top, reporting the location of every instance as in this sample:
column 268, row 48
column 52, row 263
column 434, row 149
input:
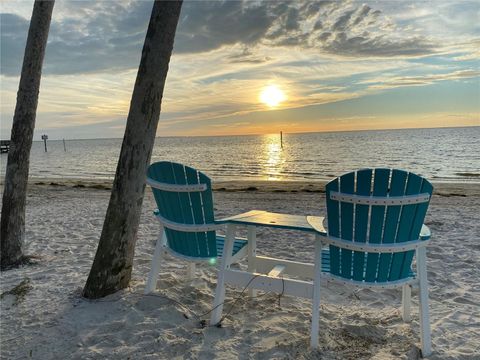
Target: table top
column 275, row 220
column 292, row 222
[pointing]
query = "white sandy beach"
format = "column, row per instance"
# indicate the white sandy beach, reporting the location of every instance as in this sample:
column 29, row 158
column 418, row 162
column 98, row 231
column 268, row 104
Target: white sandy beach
column 52, row 320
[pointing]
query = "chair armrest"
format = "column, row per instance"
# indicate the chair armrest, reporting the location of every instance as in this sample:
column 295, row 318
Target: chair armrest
column 187, row 227
column 425, row 233
column 317, row 223
column 376, row 248
column 176, row 187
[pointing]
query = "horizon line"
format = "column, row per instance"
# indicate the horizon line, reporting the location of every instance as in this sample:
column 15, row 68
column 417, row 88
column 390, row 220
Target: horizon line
column 285, row 133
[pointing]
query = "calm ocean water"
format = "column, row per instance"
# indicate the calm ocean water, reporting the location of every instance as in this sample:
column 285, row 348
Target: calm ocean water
column 448, row 154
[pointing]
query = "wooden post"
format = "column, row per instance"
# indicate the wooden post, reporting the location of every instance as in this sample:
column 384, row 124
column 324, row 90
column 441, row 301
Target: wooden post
column 64, row 147
column 281, row 139
column 45, row 138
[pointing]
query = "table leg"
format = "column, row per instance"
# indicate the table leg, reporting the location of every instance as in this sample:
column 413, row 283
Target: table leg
column 216, row 315
column 252, row 253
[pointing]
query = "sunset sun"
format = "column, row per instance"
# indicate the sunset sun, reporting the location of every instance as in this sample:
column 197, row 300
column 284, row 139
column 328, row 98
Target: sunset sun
column 272, row 96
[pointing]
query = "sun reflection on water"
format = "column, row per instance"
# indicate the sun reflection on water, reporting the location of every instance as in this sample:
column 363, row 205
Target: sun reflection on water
column 273, row 157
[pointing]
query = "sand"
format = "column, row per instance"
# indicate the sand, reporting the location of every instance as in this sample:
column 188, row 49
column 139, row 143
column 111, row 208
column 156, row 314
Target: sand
column 48, row 319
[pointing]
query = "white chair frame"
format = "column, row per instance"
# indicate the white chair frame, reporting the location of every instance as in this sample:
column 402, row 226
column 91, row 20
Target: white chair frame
column 161, row 247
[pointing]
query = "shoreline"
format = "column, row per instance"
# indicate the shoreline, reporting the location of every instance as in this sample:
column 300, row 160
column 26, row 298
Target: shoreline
column 249, row 185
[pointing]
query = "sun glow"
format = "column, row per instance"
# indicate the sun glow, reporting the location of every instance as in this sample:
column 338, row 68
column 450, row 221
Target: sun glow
column 272, row 96
column 272, row 158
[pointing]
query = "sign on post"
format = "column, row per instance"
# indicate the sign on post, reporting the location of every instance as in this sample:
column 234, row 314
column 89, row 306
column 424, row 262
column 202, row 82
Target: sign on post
column 45, row 138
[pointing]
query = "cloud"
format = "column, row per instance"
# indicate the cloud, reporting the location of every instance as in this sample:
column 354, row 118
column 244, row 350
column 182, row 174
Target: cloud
column 85, row 37
column 247, row 56
column 206, row 26
column 377, row 46
column 13, row 31
column 353, row 31
column 89, row 37
column 466, row 51
column 422, row 80
column 318, row 52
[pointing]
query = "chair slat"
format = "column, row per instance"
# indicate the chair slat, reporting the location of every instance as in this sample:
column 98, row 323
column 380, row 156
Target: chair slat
column 414, row 184
column 380, row 188
column 347, row 183
column 416, row 227
column 197, row 211
column 156, row 171
column 208, row 214
column 174, row 212
column 186, row 210
column 397, row 188
column 364, row 182
column 333, row 225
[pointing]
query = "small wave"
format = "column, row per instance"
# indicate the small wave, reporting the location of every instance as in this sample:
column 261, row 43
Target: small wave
column 299, row 173
column 467, row 174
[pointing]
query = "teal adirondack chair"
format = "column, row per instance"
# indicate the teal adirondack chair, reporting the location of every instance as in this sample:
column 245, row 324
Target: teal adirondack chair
column 185, row 212
column 375, row 228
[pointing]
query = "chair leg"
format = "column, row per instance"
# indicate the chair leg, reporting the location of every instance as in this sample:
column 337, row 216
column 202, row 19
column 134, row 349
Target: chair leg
column 191, row 271
column 252, row 248
column 220, row 290
column 155, row 267
column 406, row 302
column 316, row 294
column 426, row 341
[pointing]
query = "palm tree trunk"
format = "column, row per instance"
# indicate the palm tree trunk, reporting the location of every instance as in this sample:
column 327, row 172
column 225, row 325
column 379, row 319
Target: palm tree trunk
column 112, row 267
column 12, row 228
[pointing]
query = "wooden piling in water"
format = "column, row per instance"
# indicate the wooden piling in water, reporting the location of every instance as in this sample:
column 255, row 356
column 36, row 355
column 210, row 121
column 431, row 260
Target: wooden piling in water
column 44, row 138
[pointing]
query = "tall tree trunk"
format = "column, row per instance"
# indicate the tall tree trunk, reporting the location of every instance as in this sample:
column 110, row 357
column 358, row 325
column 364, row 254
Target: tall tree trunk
column 112, row 267
column 12, row 231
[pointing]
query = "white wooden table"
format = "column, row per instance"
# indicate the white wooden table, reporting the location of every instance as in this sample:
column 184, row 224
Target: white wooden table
column 264, row 267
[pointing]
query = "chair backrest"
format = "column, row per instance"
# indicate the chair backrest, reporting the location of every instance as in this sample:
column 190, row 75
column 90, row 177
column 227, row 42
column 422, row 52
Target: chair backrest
column 185, row 207
column 356, row 218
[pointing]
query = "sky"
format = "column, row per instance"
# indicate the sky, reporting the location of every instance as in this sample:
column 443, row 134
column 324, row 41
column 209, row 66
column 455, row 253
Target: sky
column 338, row 65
